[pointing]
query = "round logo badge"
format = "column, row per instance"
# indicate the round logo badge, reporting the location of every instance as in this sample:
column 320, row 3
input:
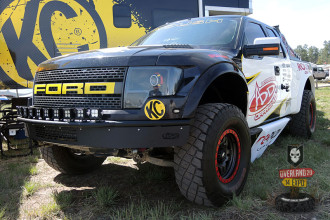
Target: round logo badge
column 154, row 109
column 156, row 80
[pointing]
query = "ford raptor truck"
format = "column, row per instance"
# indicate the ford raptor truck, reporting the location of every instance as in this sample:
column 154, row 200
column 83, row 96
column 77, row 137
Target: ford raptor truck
column 204, row 95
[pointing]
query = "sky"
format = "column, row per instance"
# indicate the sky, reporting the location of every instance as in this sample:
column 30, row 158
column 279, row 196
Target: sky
column 301, row 21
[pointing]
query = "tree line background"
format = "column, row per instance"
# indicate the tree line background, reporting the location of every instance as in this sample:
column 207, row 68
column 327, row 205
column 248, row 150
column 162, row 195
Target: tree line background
column 313, row 54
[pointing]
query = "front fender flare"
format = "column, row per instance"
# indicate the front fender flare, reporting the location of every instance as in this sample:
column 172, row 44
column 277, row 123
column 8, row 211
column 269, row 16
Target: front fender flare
column 204, row 82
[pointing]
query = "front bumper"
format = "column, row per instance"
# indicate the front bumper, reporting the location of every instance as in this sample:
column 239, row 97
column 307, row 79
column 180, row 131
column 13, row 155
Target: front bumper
column 110, row 134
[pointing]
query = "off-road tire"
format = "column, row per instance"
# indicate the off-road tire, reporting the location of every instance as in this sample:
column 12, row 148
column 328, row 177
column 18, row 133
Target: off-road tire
column 66, row 161
column 196, row 165
column 303, row 203
column 303, row 123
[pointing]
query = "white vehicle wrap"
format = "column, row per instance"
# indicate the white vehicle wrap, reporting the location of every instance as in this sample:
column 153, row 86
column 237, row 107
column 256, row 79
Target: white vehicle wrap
column 269, row 134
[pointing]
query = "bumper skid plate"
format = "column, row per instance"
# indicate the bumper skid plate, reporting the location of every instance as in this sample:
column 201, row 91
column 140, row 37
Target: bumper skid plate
column 111, row 135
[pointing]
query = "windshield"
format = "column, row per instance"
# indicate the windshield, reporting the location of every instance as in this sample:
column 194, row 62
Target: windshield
column 208, row 32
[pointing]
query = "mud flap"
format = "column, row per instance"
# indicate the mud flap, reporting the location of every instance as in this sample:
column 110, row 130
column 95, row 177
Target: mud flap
column 269, row 134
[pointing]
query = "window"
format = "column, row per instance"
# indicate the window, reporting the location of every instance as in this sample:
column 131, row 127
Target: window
column 271, row 33
column 253, row 31
column 162, row 16
column 122, row 16
column 207, row 33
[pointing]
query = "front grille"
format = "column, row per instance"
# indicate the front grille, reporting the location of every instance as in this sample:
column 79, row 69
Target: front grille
column 83, row 75
column 86, row 74
column 77, row 102
column 56, row 133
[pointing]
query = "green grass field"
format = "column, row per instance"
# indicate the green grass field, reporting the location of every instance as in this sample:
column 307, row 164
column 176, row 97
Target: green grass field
column 30, row 189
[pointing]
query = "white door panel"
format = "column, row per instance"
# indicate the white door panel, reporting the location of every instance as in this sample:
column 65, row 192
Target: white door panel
column 266, row 93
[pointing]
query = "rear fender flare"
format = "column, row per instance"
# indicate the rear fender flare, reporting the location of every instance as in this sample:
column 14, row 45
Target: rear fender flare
column 307, row 82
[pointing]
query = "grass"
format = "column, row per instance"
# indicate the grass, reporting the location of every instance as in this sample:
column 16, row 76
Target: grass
column 14, row 179
column 63, row 199
column 106, row 196
column 143, row 210
column 242, row 204
column 45, row 211
column 30, row 188
column 2, row 212
column 33, row 171
column 117, row 191
column 153, row 173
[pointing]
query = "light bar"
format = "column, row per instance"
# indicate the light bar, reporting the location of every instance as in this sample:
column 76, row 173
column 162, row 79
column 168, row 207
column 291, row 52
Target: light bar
column 45, row 114
column 58, row 114
column 39, row 113
column 82, row 114
column 67, row 114
column 95, row 114
column 25, row 112
column 31, row 112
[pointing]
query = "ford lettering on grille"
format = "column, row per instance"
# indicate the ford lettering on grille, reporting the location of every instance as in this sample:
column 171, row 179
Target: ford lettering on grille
column 80, row 88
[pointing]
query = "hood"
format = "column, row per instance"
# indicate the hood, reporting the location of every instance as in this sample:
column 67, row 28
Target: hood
column 138, row 56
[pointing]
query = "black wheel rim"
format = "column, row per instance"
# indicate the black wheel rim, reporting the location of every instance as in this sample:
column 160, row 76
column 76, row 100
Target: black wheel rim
column 227, row 157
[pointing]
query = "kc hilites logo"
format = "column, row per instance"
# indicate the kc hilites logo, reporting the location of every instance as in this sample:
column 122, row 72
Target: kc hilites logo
column 264, row 97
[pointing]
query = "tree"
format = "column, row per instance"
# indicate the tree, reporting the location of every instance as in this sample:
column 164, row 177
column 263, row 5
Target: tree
column 313, row 54
column 302, row 51
column 324, row 57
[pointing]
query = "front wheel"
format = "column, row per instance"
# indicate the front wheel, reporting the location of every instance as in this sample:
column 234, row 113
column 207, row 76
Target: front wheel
column 214, row 164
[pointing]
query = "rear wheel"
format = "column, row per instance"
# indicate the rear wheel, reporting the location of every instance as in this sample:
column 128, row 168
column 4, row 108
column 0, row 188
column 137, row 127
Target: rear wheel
column 214, row 164
column 69, row 161
column 303, row 123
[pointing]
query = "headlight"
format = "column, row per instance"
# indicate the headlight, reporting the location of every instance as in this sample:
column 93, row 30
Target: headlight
column 144, row 82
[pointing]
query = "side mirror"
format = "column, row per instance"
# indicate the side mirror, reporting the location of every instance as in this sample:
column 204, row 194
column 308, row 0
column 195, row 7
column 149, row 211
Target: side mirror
column 266, row 46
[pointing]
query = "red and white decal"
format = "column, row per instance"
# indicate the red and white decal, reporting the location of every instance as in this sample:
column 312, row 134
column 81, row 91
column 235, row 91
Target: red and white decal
column 218, row 55
column 269, row 134
column 303, row 68
column 264, row 98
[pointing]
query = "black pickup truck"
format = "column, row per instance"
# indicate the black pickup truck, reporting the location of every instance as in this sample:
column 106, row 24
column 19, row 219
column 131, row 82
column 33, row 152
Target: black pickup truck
column 204, row 95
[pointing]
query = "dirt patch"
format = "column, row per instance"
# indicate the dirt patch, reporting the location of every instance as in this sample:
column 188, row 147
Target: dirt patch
column 141, row 187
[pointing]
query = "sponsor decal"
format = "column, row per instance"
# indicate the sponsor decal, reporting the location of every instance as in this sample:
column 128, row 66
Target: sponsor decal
column 154, row 109
column 32, row 31
column 303, row 68
column 265, row 96
column 269, row 134
column 265, row 140
column 170, row 135
column 295, row 154
column 218, row 55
